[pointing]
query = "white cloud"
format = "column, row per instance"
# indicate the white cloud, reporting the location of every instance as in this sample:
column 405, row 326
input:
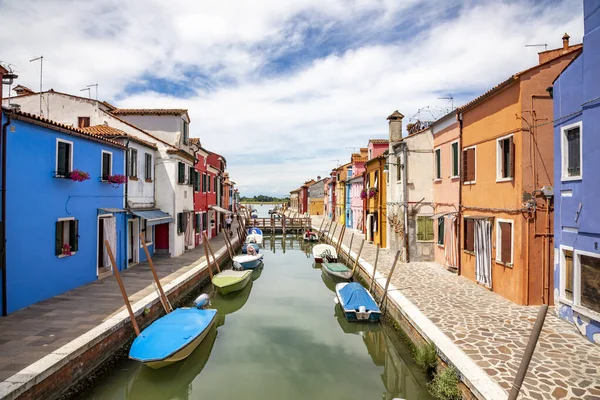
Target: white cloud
column 301, row 120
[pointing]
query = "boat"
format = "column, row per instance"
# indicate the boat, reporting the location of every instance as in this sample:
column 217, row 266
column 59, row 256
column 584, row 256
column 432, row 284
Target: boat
column 256, row 272
column 245, row 247
column 324, row 251
column 173, row 337
column 247, row 261
column 337, row 272
column 310, row 237
column 329, row 283
column 231, row 303
column 255, row 231
column 255, row 235
column 356, row 327
column 356, row 302
column 230, row 281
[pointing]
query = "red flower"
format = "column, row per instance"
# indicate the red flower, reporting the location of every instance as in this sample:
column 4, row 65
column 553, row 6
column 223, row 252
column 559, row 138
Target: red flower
column 79, row 176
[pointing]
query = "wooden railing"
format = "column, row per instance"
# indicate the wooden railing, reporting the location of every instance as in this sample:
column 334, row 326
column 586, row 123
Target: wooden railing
column 280, row 223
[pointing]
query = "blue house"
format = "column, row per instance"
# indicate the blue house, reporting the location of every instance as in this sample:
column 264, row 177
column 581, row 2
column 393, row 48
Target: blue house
column 576, row 95
column 56, row 219
column 349, row 216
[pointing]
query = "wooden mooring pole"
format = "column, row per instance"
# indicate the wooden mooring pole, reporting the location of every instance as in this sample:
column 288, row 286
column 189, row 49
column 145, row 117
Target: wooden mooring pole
column 163, row 298
column 333, row 234
column 389, row 278
column 358, row 256
column 350, row 248
column 212, row 253
column 341, row 239
column 321, row 226
column 374, row 268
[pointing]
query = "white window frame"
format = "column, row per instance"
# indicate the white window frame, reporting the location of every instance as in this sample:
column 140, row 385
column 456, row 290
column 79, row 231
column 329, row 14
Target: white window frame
column 134, row 166
column 452, row 176
column 474, row 168
column 499, row 242
column 148, row 228
column 417, row 228
column 499, row 177
column 563, row 274
column 564, row 157
column 101, row 164
column 66, row 219
column 70, row 155
column 577, row 284
column 151, row 166
column 435, row 164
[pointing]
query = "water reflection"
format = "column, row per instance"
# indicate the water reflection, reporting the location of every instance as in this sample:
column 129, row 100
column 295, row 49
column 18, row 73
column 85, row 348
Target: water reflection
column 232, row 302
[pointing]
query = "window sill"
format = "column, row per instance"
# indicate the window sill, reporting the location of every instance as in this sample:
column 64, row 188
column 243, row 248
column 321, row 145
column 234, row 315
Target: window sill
column 565, row 301
column 441, row 246
column 65, row 255
column 469, row 183
column 504, row 179
column 455, row 177
column 132, row 178
column 148, row 180
column 147, row 244
column 424, row 241
column 509, row 265
column 179, row 233
column 469, row 252
column 570, row 178
column 586, row 312
column 437, row 180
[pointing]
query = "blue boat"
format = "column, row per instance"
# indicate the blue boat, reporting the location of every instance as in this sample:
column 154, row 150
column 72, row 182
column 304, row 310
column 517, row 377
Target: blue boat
column 247, row 261
column 245, row 245
column 255, row 231
column 356, row 302
column 173, row 337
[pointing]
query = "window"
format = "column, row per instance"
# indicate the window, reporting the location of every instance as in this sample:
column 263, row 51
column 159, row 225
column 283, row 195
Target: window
column 67, row 237
column 424, row 229
column 198, row 222
column 349, row 172
column 132, row 163
column 454, row 159
column 469, row 235
column 440, row 231
column 191, row 175
column 571, row 152
column 208, row 183
column 196, row 181
column 567, row 273
column 181, row 172
column 398, row 169
column 505, row 159
column 186, row 133
column 589, row 269
column 438, row 163
column 83, row 122
column 468, row 170
column 204, row 222
column 181, row 222
column 504, row 241
column 64, row 158
column 147, row 231
column 148, row 166
column 203, row 183
column 215, row 185
column 106, row 165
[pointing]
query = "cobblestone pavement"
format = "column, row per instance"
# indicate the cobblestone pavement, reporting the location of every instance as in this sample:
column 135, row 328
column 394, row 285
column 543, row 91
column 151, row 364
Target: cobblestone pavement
column 30, row 334
column 494, row 331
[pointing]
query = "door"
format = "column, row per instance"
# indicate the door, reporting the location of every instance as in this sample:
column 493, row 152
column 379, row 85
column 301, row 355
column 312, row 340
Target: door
column 130, row 241
column 483, row 252
column 161, row 237
column 100, row 246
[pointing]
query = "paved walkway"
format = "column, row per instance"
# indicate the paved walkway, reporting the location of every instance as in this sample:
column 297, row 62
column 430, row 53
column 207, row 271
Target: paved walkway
column 29, row 334
column 493, row 331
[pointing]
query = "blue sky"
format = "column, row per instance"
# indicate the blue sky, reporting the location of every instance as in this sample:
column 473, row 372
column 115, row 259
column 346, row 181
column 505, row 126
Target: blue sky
column 283, row 89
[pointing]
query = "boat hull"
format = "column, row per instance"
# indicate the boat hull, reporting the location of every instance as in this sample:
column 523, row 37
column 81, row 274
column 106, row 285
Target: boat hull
column 336, row 276
column 251, row 264
column 236, row 286
column 370, row 311
column 320, row 250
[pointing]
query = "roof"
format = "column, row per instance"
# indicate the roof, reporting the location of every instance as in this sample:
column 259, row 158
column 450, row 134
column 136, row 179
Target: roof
column 150, row 111
column 513, row 79
column 24, row 88
column 395, row 115
column 3, row 70
column 379, row 141
column 20, row 115
column 295, row 190
column 181, row 153
column 110, row 132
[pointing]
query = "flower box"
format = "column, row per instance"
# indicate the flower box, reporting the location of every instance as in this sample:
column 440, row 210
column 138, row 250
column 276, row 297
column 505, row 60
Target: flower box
column 79, row 176
column 66, row 250
column 116, row 179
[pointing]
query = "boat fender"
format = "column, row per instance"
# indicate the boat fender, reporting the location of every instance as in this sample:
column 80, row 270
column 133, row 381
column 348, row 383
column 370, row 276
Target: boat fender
column 336, row 301
column 202, row 300
column 237, row 266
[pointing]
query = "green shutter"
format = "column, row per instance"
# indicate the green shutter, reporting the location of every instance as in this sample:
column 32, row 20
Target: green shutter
column 181, row 173
column 440, row 230
column 59, row 233
column 74, row 234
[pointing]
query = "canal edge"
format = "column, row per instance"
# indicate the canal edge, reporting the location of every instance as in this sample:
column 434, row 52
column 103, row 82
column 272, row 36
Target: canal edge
column 56, row 373
column 475, row 379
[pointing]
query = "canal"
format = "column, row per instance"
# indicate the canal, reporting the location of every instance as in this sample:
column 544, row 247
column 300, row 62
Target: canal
column 279, row 338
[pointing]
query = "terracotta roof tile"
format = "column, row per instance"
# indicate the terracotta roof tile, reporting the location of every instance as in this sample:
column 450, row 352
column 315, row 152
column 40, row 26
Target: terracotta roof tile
column 20, row 115
column 110, row 132
column 149, row 111
column 379, row 141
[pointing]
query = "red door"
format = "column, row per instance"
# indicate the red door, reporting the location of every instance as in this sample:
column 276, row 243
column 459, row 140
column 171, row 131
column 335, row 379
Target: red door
column 161, row 233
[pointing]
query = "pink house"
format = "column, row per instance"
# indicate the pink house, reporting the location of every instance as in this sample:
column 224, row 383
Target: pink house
column 356, row 185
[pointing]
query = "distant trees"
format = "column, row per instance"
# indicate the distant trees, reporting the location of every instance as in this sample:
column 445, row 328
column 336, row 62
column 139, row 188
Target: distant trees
column 262, row 199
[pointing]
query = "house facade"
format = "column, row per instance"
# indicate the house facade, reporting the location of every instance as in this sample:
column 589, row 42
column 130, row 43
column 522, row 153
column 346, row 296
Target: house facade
column 327, row 197
column 375, row 211
column 576, row 142
column 356, row 202
column 78, row 214
column 340, row 192
column 295, row 200
column 506, row 180
column 316, row 196
column 446, row 190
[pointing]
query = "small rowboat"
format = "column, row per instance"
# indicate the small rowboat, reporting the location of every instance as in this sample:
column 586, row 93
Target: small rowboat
column 255, row 231
column 248, row 261
column 310, row 237
column 173, row 337
column 323, row 252
column 356, row 302
column 230, row 281
column 337, row 272
column 245, row 247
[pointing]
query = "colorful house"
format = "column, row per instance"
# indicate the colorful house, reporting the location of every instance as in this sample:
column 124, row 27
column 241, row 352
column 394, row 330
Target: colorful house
column 67, row 233
column 506, row 183
column 295, row 200
column 332, row 192
column 356, row 184
column 327, row 197
column 576, row 144
column 340, row 192
column 315, row 197
column 374, row 183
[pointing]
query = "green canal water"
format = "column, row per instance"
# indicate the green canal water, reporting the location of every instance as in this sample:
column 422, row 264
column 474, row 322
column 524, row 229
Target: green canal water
column 282, row 337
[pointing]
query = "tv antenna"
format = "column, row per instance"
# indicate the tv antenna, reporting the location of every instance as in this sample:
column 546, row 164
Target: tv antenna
column 9, row 78
column 337, row 162
column 538, row 45
column 88, row 90
column 450, row 98
column 41, row 58
column 96, row 86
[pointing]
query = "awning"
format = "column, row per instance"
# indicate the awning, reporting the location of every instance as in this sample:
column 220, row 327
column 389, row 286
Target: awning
column 220, row 209
column 154, row 217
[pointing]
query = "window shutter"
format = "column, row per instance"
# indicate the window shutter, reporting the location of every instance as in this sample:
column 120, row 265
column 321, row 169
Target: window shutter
column 59, row 233
column 465, row 161
column 469, row 244
column 511, row 157
column 440, row 230
column 74, row 234
column 471, row 165
column 505, row 242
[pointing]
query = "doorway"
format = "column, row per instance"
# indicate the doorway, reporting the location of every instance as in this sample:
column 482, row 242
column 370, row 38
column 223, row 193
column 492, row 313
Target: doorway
column 161, row 238
column 107, row 230
column 130, row 242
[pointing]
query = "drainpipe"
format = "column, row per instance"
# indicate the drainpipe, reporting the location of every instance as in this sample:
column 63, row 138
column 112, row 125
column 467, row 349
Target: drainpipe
column 405, row 197
column 459, row 217
column 3, row 232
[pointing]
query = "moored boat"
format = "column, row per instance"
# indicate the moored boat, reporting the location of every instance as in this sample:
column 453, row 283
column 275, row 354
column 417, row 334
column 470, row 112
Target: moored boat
column 337, row 272
column 248, row 261
column 230, row 281
column 323, row 252
column 310, row 237
column 245, row 247
column 356, row 302
column 255, row 231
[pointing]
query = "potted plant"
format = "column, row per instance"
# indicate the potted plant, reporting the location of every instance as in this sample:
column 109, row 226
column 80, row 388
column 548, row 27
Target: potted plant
column 66, row 250
column 372, row 192
column 363, row 194
column 79, row 176
column 116, row 180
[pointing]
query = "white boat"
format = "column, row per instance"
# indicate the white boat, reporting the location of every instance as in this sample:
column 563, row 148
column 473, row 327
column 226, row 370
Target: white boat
column 248, row 261
column 324, row 252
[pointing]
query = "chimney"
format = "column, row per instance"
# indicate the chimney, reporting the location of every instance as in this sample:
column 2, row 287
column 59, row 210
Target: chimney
column 395, row 126
column 319, row 177
column 565, row 39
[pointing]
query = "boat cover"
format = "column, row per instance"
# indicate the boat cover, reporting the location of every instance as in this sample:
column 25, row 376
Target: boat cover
column 256, row 247
column 354, row 295
column 336, row 267
column 254, row 231
column 247, row 258
column 169, row 334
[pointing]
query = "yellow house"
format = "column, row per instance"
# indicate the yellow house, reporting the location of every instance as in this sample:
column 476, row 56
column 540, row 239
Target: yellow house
column 375, row 210
column 340, row 193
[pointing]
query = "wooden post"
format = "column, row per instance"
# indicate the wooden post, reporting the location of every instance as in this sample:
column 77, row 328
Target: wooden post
column 162, row 296
column 209, row 264
column 387, row 283
column 333, row 233
column 341, row 239
column 374, row 267
column 228, row 245
column 358, row 256
column 350, row 248
column 212, row 253
column 123, row 292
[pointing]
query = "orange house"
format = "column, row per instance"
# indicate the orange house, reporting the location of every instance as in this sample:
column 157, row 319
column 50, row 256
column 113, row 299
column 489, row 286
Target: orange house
column 506, row 183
